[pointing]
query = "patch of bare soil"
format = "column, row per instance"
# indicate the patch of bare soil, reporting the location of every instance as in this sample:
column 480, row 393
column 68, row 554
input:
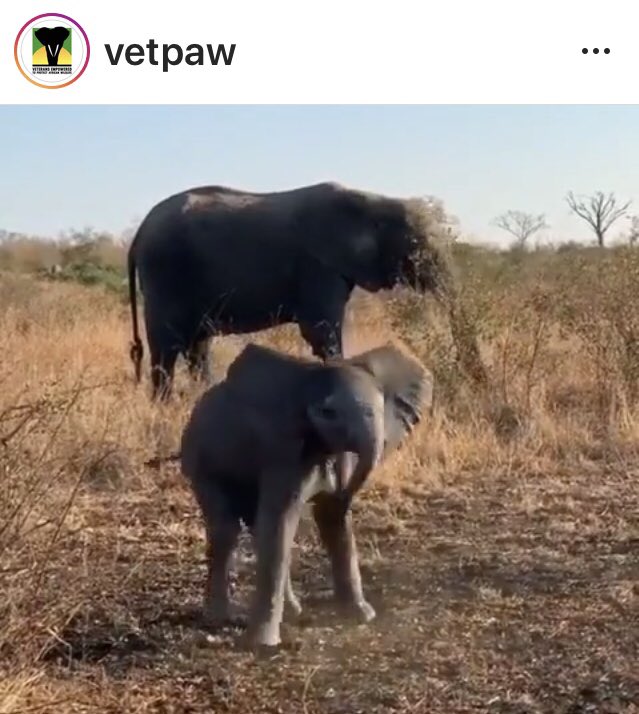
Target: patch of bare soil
column 510, row 593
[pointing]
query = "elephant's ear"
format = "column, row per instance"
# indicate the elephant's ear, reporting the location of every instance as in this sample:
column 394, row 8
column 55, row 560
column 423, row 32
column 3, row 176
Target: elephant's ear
column 407, row 386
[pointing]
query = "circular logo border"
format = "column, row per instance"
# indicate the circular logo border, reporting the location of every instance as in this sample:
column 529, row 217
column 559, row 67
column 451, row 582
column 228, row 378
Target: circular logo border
column 30, row 79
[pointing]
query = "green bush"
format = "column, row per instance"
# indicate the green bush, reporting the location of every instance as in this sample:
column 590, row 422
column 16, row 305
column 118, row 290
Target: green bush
column 93, row 274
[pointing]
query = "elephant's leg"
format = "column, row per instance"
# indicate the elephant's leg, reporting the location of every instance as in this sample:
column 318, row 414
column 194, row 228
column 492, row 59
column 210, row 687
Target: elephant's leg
column 291, row 601
column 324, row 336
column 164, row 349
column 222, row 532
column 222, row 539
column 162, row 370
column 277, row 520
column 198, row 360
column 320, row 313
column 336, row 533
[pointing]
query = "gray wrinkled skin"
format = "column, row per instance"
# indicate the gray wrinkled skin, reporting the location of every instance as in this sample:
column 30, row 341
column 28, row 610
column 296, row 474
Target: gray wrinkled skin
column 256, row 448
column 214, row 260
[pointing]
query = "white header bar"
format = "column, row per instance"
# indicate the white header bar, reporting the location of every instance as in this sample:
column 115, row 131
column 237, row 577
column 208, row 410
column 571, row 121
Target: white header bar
column 336, row 51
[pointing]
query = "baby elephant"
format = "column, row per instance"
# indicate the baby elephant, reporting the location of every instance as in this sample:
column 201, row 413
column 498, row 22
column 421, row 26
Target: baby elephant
column 257, row 446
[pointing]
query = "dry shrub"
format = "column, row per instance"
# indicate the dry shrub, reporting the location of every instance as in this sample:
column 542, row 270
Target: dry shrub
column 435, row 228
column 28, row 254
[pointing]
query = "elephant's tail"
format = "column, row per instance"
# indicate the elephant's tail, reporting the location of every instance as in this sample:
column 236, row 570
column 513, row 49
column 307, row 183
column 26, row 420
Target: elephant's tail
column 157, row 461
column 136, row 350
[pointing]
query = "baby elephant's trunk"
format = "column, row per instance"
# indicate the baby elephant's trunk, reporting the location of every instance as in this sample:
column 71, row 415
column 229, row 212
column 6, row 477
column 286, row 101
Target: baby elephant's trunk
column 369, row 449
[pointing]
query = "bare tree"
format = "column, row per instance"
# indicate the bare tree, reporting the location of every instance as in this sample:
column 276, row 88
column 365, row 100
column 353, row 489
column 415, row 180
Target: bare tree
column 599, row 211
column 521, row 225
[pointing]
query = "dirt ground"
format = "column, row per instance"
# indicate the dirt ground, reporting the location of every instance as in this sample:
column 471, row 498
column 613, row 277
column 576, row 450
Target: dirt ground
column 510, row 593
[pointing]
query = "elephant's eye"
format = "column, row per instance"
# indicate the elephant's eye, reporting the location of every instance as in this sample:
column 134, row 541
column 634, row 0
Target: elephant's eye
column 368, row 412
column 328, row 411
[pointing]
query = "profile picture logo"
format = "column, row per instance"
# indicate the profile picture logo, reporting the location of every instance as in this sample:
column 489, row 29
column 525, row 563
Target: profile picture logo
column 52, row 50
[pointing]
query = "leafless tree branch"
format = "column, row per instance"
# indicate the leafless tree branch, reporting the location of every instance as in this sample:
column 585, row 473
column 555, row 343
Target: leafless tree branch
column 599, row 211
column 521, row 225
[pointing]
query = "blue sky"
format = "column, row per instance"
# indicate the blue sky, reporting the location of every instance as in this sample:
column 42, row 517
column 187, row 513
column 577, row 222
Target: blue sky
column 105, row 166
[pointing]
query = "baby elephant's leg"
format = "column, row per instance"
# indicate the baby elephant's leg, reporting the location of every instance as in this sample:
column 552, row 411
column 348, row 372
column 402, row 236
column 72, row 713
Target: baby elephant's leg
column 292, row 604
column 291, row 601
column 221, row 542
column 222, row 532
column 336, row 533
column 277, row 520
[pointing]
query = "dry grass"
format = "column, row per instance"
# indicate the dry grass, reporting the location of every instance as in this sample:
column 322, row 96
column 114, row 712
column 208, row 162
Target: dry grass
column 500, row 547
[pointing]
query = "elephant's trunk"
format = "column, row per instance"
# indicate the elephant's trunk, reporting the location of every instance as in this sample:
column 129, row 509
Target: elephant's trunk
column 356, row 429
column 369, row 448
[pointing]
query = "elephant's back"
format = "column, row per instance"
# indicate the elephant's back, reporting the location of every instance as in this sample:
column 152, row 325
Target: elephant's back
column 228, row 253
column 224, row 439
column 268, row 379
column 216, row 205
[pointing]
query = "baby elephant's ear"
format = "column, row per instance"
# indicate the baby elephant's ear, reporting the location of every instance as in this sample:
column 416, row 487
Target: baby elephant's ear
column 407, row 386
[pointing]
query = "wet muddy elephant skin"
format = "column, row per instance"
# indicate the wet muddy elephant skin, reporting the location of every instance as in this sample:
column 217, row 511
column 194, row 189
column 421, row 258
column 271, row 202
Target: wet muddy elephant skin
column 255, row 450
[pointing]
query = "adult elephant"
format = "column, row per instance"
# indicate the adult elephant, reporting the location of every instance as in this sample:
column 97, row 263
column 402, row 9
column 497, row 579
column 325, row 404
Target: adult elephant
column 214, row 260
